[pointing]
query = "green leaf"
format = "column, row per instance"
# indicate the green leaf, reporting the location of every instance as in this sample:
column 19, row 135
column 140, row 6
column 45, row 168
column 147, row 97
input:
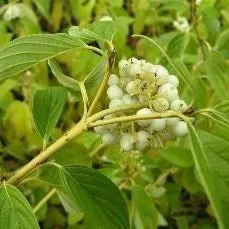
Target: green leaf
column 47, row 107
column 222, row 43
column 217, row 149
column 71, row 154
column 15, row 211
column 84, row 34
column 92, row 79
column 27, row 51
column 95, row 76
column 62, row 78
column 95, row 195
column 177, row 45
column 181, row 70
column 217, row 70
column 209, row 180
column 178, row 156
column 145, row 208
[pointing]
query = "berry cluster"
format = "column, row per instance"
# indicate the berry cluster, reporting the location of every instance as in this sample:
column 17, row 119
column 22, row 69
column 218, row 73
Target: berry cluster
column 181, row 24
column 140, row 82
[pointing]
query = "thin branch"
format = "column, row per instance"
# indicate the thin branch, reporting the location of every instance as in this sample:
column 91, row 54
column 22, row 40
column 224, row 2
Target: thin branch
column 101, row 89
column 44, row 200
column 167, row 114
column 49, row 151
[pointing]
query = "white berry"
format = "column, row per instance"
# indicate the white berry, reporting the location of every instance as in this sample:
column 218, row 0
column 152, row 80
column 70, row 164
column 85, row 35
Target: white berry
column 170, row 122
column 160, row 104
column 128, row 99
column 178, row 105
column 168, row 91
column 173, row 80
column 134, row 70
column 116, row 103
column 132, row 88
column 123, row 64
column 126, row 142
column 142, row 139
column 158, row 124
column 181, row 129
column 113, row 80
column 161, row 75
column 100, row 129
column 144, row 111
column 108, row 138
column 114, row 92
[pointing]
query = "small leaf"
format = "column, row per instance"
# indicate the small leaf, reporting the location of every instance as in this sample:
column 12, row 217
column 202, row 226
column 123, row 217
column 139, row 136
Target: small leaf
column 178, row 156
column 95, row 195
column 217, row 70
column 27, row 51
column 15, row 211
column 47, row 107
column 63, row 79
column 145, row 207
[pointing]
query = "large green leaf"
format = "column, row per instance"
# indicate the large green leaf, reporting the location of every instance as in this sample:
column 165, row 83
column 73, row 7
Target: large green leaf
column 25, row 52
column 214, row 186
column 217, row 152
column 217, row 70
column 145, row 208
column 95, row 195
column 47, row 107
column 178, row 156
column 15, row 211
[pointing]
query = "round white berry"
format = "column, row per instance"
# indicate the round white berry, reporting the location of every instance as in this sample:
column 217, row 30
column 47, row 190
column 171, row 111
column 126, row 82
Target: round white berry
column 158, row 124
column 132, row 88
column 116, row 103
column 173, row 80
column 114, row 92
column 161, row 74
column 168, row 91
column 128, row 99
column 134, row 70
column 123, row 64
column 160, row 104
column 144, row 111
column 170, row 122
column 100, row 129
column 113, row 80
column 142, row 139
column 108, row 138
column 181, row 129
column 147, row 67
column 178, row 105
column 126, row 142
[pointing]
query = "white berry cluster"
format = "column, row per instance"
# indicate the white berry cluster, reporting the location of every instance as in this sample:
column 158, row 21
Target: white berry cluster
column 12, row 12
column 140, row 82
column 181, row 24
